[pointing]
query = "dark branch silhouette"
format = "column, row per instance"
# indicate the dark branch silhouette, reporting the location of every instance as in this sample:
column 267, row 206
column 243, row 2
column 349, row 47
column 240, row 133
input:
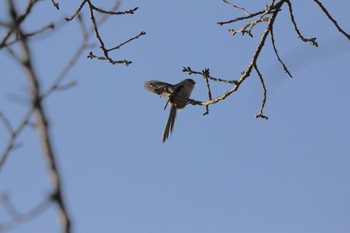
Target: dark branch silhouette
column 105, row 50
column 267, row 15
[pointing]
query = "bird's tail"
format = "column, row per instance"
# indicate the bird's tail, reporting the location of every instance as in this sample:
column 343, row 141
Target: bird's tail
column 170, row 123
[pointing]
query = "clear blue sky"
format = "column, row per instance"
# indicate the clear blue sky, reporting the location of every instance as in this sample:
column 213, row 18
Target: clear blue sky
column 226, row 172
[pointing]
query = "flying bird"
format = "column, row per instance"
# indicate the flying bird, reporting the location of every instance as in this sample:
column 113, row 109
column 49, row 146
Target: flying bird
column 177, row 98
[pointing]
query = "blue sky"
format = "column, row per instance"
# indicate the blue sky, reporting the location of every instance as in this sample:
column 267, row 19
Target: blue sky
column 224, row 172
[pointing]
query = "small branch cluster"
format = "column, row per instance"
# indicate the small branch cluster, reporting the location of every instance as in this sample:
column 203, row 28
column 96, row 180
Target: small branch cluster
column 268, row 16
column 203, row 73
column 206, row 76
column 106, row 56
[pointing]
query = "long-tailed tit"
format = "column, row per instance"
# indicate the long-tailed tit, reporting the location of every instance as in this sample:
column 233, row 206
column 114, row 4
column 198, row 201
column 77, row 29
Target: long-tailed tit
column 177, row 94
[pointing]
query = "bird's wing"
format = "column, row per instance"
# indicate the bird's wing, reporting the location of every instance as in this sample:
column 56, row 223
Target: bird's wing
column 160, row 88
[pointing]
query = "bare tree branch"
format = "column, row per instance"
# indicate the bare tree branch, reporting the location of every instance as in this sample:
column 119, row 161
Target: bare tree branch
column 311, row 40
column 18, row 19
column 268, row 15
column 77, row 11
column 261, row 114
column 31, row 34
column 42, row 126
column 56, row 85
column 56, row 5
column 124, row 43
column 45, row 137
column 190, row 71
column 278, row 56
column 241, row 18
column 248, row 27
column 332, row 19
column 105, row 50
column 256, row 54
column 240, row 8
column 206, row 74
column 131, row 11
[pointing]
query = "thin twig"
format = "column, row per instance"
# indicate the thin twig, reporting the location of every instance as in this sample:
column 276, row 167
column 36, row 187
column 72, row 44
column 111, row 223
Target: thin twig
column 261, row 114
column 77, row 11
column 276, row 52
column 131, row 39
column 50, row 26
column 131, row 11
column 206, row 74
column 92, row 16
column 31, row 34
column 56, row 5
column 249, row 25
column 237, row 7
column 262, row 18
column 91, row 55
column 332, row 19
column 241, row 18
column 311, row 40
column 18, row 21
column 190, row 71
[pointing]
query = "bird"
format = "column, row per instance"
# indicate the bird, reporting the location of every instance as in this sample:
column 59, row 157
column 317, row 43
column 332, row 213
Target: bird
column 177, row 95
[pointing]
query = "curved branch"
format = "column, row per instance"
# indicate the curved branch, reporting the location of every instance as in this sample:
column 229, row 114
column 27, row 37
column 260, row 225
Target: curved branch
column 261, row 114
column 311, row 40
column 277, row 55
column 332, row 19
